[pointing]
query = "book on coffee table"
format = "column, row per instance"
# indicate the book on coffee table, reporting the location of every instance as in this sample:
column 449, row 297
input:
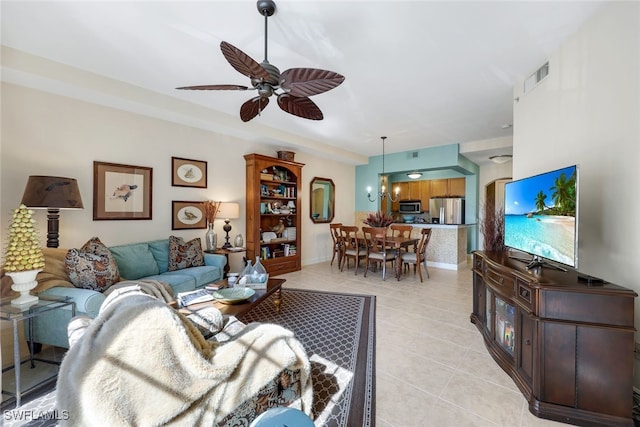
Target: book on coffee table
column 193, row 297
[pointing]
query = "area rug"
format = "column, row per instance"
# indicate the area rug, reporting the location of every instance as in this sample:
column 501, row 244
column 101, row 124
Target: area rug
column 338, row 333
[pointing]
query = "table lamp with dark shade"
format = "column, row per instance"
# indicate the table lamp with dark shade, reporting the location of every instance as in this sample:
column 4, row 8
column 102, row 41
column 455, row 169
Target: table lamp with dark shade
column 52, row 193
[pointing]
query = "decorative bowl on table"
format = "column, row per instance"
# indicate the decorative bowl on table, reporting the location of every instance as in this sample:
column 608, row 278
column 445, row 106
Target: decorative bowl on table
column 233, row 295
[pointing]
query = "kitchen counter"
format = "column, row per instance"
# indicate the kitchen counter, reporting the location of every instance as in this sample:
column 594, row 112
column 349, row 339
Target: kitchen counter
column 429, row 225
column 448, row 245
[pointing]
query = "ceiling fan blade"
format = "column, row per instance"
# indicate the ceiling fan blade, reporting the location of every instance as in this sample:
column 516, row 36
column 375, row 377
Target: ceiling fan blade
column 252, row 108
column 242, row 62
column 300, row 106
column 214, row 87
column 309, row 81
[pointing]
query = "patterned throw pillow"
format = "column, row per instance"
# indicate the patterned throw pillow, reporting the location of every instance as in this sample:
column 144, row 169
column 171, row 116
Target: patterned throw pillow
column 92, row 266
column 184, row 255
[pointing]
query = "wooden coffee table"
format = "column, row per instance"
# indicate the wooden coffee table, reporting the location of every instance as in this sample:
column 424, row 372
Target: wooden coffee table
column 274, row 286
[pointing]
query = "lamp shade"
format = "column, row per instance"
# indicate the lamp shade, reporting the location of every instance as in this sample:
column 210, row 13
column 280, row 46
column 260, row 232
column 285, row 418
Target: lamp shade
column 43, row 192
column 229, row 210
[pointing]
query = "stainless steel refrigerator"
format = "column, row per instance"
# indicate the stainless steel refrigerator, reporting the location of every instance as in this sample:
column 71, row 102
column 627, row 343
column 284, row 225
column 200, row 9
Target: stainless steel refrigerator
column 448, row 210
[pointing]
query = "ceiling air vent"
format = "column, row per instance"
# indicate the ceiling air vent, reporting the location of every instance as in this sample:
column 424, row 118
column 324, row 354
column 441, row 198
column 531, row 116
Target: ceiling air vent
column 414, row 155
column 534, row 79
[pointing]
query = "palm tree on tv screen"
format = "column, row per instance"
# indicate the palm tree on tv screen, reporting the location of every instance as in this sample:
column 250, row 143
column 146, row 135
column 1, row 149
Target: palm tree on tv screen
column 564, row 195
column 540, row 198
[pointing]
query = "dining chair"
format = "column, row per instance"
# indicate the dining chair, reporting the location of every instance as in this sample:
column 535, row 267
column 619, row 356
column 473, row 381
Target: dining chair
column 418, row 257
column 401, row 230
column 350, row 246
column 377, row 249
column 337, row 242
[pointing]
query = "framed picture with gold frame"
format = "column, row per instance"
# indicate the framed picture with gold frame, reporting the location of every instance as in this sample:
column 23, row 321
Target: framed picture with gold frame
column 187, row 215
column 121, row 192
column 188, row 173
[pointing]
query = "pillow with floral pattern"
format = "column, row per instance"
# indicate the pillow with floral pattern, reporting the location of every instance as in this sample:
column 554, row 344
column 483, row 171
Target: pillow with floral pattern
column 92, row 266
column 184, row 255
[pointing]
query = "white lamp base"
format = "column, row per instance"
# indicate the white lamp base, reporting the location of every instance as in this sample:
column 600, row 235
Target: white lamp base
column 23, row 282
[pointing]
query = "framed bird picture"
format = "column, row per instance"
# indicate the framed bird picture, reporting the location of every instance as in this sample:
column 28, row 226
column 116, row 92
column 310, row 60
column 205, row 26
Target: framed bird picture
column 188, row 173
column 121, row 192
column 187, row 215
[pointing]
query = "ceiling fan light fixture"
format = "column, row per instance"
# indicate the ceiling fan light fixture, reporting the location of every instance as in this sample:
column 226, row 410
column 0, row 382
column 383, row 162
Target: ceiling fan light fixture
column 501, row 158
column 292, row 87
column 414, row 175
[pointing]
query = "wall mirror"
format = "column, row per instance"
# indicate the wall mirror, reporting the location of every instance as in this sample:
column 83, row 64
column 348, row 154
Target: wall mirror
column 322, row 194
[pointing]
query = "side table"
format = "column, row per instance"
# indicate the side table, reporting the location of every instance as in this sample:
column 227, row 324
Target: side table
column 15, row 314
column 226, row 252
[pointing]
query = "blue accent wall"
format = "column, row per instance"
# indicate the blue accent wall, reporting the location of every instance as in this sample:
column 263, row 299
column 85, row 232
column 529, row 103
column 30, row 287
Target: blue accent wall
column 434, row 163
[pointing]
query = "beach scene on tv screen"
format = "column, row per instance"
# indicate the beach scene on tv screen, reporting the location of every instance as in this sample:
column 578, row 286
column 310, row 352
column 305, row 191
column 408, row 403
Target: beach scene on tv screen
column 540, row 215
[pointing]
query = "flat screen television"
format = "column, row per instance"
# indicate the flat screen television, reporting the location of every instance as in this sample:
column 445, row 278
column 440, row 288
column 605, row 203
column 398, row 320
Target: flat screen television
column 541, row 217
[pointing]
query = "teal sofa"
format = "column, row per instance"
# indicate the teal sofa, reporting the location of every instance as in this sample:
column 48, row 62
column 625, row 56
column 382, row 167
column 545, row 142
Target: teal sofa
column 136, row 261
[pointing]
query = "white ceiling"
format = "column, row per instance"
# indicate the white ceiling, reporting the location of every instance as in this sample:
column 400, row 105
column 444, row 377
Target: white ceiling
column 422, row 73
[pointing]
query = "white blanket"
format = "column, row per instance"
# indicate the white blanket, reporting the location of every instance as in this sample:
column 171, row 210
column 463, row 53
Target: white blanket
column 155, row 288
column 142, row 363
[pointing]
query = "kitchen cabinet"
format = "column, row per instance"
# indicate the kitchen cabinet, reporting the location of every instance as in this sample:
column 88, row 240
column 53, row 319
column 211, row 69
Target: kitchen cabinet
column 404, row 194
column 414, row 190
column 567, row 346
column 456, row 187
column 425, row 189
column 425, row 194
column 439, row 187
column 452, row 187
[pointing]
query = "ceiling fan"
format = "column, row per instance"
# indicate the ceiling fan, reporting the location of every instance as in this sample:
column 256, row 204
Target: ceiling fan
column 293, row 86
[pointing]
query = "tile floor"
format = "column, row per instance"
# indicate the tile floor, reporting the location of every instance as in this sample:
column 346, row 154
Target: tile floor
column 432, row 365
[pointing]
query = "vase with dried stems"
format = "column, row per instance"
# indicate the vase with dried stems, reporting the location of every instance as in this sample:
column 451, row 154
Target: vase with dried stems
column 492, row 228
column 211, row 209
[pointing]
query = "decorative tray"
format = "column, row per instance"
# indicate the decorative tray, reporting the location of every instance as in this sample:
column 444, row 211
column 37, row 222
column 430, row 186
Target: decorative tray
column 233, row 295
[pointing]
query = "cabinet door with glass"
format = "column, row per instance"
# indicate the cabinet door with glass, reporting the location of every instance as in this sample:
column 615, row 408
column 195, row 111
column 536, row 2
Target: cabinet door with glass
column 504, row 324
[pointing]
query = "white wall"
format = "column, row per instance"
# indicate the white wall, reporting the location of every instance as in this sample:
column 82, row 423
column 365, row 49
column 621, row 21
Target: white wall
column 587, row 111
column 317, row 243
column 47, row 134
column 489, row 173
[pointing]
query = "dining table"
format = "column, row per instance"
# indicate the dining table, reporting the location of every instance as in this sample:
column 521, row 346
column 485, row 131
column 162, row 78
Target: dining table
column 397, row 243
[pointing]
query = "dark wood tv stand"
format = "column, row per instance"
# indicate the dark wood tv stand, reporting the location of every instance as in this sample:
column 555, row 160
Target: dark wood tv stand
column 568, row 346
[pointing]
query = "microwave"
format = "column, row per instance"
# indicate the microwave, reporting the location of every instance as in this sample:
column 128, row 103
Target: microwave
column 410, row 207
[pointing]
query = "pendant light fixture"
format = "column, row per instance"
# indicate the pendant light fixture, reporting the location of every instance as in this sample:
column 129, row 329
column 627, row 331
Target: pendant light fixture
column 383, row 194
